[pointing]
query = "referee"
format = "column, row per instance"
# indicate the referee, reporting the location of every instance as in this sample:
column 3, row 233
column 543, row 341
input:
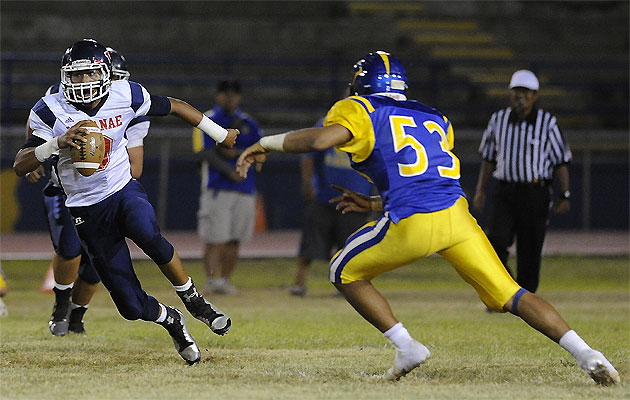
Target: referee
column 524, row 150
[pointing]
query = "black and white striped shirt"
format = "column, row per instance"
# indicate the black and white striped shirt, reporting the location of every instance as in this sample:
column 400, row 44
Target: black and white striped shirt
column 524, row 150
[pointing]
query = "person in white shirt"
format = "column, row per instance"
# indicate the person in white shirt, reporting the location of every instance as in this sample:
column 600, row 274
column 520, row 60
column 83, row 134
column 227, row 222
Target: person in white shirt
column 109, row 206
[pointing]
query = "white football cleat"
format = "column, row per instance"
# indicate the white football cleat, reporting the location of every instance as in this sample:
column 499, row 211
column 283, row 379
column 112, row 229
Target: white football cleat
column 598, row 368
column 407, row 360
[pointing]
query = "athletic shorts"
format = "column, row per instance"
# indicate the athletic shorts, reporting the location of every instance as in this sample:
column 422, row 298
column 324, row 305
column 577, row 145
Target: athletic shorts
column 453, row 233
column 225, row 215
column 326, row 230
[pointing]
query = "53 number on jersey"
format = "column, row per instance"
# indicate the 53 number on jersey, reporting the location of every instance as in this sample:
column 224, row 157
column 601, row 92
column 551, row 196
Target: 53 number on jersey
column 402, row 139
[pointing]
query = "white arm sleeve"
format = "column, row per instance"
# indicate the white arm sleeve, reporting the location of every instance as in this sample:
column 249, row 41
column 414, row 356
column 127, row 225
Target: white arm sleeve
column 137, row 133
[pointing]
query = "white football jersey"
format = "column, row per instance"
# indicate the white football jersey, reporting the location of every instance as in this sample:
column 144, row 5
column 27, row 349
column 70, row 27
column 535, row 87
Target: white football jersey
column 135, row 133
column 52, row 116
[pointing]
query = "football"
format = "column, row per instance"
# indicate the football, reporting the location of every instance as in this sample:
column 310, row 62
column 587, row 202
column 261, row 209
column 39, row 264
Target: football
column 89, row 156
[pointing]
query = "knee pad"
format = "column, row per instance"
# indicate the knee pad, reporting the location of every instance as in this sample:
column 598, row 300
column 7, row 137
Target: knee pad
column 146, row 310
column 158, row 249
column 66, row 242
column 129, row 307
column 87, row 272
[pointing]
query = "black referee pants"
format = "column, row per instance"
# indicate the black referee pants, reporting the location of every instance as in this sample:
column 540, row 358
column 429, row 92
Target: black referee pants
column 521, row 211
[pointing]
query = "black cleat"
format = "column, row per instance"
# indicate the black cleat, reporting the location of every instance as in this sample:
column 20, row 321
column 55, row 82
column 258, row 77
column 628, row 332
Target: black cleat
column 205, row 311
column 75, row 321
column 58, row 324
column 184, row 343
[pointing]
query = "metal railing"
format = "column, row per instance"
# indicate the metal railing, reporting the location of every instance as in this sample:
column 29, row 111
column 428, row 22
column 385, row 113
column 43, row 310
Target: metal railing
column 167, row 144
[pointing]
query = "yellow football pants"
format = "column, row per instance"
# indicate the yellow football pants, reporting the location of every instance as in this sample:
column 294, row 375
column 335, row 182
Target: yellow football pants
column 453, row 233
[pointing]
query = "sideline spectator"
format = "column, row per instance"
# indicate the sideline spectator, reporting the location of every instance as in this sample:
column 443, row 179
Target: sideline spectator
column 227, row 203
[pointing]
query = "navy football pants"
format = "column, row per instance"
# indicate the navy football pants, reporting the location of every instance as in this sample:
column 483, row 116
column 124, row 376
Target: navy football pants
column 62, row 233
column 103, row 227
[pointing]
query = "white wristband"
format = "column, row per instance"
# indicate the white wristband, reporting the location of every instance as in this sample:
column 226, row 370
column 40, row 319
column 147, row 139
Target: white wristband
column 212, row 129
column 44, row 151
column 273, row 142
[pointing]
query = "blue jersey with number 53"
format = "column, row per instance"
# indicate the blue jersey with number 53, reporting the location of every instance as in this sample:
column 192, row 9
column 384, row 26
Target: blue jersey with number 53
column 404, row 147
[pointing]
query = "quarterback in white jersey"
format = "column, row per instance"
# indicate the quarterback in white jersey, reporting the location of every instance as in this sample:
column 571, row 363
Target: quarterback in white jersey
column 109, row 206
column 52, row 116
column 71, row 276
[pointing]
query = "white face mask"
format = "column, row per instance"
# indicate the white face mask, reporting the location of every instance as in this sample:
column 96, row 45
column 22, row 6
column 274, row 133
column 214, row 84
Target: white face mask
column 85, row 92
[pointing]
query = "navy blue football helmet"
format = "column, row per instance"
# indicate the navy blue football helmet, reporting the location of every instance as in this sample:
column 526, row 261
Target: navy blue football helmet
column 378, row 72
column 119, row 66
column 86, row 55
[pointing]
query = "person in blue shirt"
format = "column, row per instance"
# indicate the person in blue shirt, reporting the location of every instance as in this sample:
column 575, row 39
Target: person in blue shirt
column 325, row 229
column 227, row 202
column 405, row 147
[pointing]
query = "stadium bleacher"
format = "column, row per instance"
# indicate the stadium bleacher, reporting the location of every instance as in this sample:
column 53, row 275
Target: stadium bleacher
column 293, row 57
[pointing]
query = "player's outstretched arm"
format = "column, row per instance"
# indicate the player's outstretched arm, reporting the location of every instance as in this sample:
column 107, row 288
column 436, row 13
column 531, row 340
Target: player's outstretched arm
column 28, row 159
column 183, row 110
column 255, row 153
column 301, row 141
column 351, row 201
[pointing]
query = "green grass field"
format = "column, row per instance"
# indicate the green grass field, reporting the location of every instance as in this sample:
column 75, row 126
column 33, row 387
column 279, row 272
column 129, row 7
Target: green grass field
column 318, row 347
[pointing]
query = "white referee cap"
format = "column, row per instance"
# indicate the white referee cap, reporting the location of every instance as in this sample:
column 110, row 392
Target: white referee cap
column 524, row 78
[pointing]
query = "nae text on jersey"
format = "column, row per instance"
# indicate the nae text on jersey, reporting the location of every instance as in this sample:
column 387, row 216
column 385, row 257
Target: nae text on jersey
column 110, row 123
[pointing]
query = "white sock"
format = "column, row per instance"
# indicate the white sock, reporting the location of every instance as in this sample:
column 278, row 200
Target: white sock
column 63, row 287
column 573, row 343
column 162, row 315
column 75, row 305
column 184, row 287
column 398, row 336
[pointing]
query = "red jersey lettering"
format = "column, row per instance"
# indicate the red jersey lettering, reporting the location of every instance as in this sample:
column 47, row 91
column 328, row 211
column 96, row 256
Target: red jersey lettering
column 110, row 123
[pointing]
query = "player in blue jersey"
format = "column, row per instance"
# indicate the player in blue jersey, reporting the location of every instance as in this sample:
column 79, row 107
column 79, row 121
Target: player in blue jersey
column 227, row 203
column 406, row 148
column 109, row 205
column 74, row 279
